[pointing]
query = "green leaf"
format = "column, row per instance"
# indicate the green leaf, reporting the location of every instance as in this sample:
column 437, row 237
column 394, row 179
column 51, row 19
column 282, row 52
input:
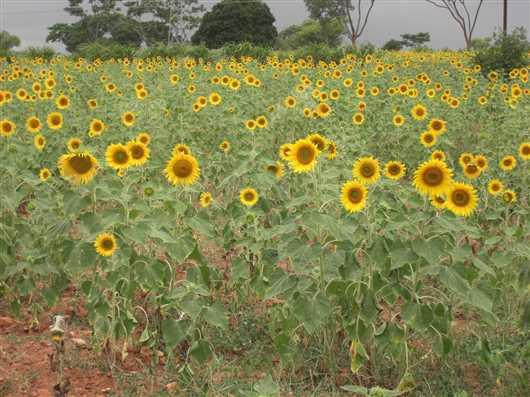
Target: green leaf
column 173, row 331
column 479, row 299
column 200, row 350
column 181, row 249
column 201, row 226
column 267, row 387
column 281, row 285
column 482, row 266
column 452, row 280
column 311, row 312
column 430, row 250
column 216, row 316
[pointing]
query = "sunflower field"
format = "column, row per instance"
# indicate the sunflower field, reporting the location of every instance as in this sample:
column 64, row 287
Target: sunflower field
column 355, row 207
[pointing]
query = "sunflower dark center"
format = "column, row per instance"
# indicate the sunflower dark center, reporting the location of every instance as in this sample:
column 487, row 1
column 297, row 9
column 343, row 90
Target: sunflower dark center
column 436, row 126
column 6, row 127
column 137, row 152
column 420, row 112
column 367, row 170
column 34, row 123
column 507, row 162
column 526, row 150
column 428, row 138
column 81, row 164
column 394, row 169
column 107, row 244
column 249, row 196
column 495, row 187
column 120, row 157
column 128, row 118
column 471, row 169
column 433, row 176
column 305, row 155
column 56, row 120
column 355, row 195
column 183, row 168
column 460, row 197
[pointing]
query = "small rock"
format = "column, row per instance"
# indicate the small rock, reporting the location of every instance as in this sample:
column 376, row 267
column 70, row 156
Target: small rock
column 171, row 386
column 80, row 343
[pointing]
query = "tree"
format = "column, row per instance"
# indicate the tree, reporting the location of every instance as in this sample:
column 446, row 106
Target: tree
column 393, row 45
column 416, row 40
column 311, row 32
column 236, row 21
column 8, row 41
column 102, row 22
column 461, row 13
column 175, row 17
column 350, row 12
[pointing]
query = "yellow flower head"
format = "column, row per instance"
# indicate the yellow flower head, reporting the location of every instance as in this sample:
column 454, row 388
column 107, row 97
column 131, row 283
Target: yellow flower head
column 248, row 196
column 353, row 196
column 182, row 169
column 105, row 244
column 366, row 169
column 433, row 178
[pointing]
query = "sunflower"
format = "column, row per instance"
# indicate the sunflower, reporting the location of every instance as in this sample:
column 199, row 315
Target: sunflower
column 398, row 120
column 285, row 150
column 128, row 119
column 289, row 102
column 358, row 118
column 461, row 199
column 495, row 187
column 481, row 162
column 144, row 137
column 74, row 144
column 181, row 148
column 138, row 151
column 225, row 146
column 303, row 156
column 33, row 124
column 323, row 110
column 433, row 178
column 248, row 196
column 105, row 244
column 205, row 199
column 62, row 102
column 353, row 196
column 471, row 171
column 319, row 141
column 96, row 127
column 182, row 169
column 419, row 112
column 39, row 141
column 438, row 126
column 250, row 124
column 44, row 174
column 509, row 196
column 277, row 169
column 215, row 98
column 366, row 169
column 118, row 156
column 524, row 150
column 465, row 158
column 79, row 168
column 7, row 128
column 332, row 151
column 508, row 163
column 438, row 155
column 92, row 103
column 262, row 122
column 428, row 139
column 395, row 170
column 55, row 120
column 438, row 202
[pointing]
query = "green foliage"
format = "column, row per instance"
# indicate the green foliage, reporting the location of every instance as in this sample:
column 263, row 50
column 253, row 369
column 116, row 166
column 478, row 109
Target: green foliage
column 240, row 50
column 311, row 32
column 104, row 50
column 233, row 21
column 393, row 45
column 8, row 41
column 504, row 53
column 172, row 18
column 43, row 52
column 113, row 28
column 415, row 40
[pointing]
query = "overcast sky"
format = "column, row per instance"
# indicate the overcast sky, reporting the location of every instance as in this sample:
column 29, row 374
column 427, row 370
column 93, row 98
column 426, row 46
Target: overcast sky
column 29, row 19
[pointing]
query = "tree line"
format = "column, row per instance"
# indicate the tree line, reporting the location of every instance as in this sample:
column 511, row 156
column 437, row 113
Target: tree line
column 147, row 22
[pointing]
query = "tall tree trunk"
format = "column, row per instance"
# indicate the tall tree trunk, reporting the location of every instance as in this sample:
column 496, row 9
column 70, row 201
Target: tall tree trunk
column 353, row 39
